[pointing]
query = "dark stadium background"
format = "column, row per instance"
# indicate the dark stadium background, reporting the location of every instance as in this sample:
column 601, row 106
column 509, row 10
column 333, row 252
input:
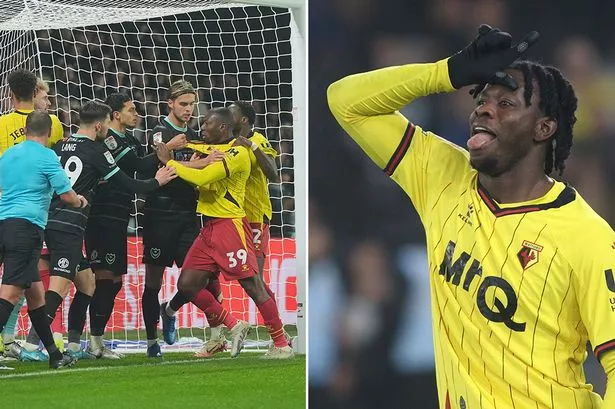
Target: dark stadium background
column 369, row 318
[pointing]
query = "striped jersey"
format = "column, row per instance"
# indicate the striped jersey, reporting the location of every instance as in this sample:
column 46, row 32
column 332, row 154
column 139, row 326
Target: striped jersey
column 112, row 203
column 257, row 203
column 85, row 163
column 517, row 289
column 222, row 185
column 182, row 193
column 12, row 129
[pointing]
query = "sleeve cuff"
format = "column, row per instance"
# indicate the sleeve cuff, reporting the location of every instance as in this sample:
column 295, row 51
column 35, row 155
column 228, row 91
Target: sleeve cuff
column 122, row 154
column 443, row 76
column 602, row 348
column 113, row 172
column 64, row 189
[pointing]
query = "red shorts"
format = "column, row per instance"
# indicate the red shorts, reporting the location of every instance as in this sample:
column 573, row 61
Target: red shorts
column 260, row 237
column 224, row 245
column 44, row 249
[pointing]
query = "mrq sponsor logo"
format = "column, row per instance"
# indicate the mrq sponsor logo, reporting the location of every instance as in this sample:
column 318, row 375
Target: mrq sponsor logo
column 502, row 309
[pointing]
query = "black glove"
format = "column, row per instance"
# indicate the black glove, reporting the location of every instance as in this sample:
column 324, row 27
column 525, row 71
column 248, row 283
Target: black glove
column 483, row 60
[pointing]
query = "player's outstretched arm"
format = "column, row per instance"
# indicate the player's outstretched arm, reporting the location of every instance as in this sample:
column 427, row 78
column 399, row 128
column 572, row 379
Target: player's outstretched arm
column 366, row 105
column 122, row 180
column 268, row 165
column 145, row 165
column 200, row 177
column 265, row 162
column 197, row 162
column 148, row 164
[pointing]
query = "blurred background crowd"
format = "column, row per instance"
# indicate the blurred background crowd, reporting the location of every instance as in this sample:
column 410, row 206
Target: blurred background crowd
column 369, row 309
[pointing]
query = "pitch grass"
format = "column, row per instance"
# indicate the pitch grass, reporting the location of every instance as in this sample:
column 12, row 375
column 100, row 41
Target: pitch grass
column 177, row 381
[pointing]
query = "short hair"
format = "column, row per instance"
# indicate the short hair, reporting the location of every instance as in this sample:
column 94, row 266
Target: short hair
column 38, row 123
column 93, row 111
column 41, row 85
column 247, row 110
column 116, row 101
column 224, row 114
column 557, row 100
column 22, row 84
column 179, row 88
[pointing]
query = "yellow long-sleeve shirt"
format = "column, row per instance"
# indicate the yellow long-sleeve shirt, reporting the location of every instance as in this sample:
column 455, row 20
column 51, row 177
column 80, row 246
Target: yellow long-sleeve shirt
column 257, row 202
column 12, row 129
column 516, row 290
column 226, row 180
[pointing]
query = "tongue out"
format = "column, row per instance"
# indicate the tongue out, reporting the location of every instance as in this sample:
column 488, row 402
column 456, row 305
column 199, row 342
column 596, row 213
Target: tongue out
column 479, row 140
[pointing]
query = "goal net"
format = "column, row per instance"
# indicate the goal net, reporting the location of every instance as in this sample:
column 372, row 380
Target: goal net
column 86, row 49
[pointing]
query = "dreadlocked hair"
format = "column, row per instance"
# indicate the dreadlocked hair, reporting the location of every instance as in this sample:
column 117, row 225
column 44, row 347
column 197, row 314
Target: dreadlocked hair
column 557, row 100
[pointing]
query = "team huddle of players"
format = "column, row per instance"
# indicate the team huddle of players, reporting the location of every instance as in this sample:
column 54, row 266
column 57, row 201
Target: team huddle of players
column 207, row 210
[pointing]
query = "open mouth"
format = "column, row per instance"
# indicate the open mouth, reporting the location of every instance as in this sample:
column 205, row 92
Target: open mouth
column 481, row 137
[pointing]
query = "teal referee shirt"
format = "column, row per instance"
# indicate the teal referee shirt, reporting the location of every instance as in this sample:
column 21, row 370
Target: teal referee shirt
column 29, row 174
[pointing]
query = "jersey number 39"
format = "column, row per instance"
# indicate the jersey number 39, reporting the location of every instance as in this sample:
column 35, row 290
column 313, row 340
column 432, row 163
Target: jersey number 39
column 241, row 255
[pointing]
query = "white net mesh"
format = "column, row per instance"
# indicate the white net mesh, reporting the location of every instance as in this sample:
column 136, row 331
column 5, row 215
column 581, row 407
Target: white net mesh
column 227, row 51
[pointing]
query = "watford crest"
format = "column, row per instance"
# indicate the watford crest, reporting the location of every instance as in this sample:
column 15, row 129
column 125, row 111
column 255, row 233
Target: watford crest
column 528, row 255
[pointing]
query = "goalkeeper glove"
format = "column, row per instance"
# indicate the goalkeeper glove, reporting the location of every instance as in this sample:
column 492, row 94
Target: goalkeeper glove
column 485, row 58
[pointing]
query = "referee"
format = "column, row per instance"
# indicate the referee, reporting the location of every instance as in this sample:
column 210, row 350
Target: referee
column 29, row 174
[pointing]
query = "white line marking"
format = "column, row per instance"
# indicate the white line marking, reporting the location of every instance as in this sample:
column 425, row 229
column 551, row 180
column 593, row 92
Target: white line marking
column 106, row 368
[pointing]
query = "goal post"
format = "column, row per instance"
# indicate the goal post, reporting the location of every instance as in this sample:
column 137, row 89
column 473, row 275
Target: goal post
column 248, row 50
column 298, row 26
column 300, row 140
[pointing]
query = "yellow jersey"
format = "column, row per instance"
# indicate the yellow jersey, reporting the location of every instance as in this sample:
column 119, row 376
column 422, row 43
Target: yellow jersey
column 12, row 129
column 257, row 202
column 222, row 185
column 517, row 289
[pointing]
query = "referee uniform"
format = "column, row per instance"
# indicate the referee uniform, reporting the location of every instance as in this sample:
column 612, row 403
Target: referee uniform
column 29, row 174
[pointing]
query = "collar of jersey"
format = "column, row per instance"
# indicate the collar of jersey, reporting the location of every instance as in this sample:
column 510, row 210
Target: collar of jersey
column 121, row 135
column 23, row 111
column 184, row 129
column 76, row 135
column 559, row 195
